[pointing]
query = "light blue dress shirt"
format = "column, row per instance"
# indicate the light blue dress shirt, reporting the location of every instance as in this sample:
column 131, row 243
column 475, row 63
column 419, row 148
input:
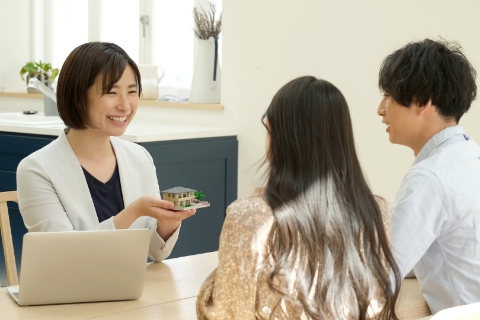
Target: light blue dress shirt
column 436, row 220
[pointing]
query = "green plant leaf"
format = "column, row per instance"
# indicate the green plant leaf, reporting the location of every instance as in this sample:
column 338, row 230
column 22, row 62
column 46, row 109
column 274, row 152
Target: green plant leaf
column 31, row 68
column 54, row 74
column 199, row 195
column 22, row 72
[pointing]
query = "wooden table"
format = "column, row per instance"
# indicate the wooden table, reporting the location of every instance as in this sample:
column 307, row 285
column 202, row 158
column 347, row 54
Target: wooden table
column 169, row 292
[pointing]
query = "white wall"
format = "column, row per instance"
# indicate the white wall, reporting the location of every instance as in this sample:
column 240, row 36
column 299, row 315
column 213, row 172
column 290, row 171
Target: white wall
column 269, row 42
column 14, row 42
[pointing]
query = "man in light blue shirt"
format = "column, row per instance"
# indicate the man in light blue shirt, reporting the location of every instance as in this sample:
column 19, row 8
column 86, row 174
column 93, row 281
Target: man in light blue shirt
column 428, row 86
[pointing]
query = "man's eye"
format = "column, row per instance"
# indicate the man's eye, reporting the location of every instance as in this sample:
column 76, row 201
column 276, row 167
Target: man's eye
column 111, row 92
column 134, row 91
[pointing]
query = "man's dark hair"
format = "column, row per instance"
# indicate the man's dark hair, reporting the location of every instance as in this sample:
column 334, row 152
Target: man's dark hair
column 430, row 70
column 79, row 71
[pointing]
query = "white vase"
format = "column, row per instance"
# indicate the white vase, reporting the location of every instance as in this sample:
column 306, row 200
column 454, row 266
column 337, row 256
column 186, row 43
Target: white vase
column 204, row 88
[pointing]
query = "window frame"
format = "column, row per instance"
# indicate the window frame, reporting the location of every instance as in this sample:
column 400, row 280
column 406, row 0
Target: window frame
column 41, row 28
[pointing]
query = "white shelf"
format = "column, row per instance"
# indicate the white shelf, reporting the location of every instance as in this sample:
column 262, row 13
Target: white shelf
column 181, row 105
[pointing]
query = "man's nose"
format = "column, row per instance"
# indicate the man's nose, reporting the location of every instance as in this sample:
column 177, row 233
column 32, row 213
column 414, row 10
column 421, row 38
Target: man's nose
column 381, row 108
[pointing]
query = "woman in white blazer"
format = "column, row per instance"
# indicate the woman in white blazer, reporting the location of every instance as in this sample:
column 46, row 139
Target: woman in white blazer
column 88, row 179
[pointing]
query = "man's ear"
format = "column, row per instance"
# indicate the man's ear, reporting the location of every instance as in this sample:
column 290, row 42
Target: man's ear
column 422, row 109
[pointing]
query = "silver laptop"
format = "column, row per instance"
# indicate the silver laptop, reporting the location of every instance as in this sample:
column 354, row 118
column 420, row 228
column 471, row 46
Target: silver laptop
column 82, row 266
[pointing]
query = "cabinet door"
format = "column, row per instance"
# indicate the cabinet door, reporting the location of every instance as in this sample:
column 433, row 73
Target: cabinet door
column 13, row 148
column 208, row 165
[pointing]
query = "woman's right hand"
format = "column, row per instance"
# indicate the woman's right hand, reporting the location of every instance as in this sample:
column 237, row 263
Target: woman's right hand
column 159, row 209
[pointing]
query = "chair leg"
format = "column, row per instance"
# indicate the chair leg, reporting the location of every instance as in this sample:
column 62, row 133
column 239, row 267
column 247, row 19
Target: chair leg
column 8, row 245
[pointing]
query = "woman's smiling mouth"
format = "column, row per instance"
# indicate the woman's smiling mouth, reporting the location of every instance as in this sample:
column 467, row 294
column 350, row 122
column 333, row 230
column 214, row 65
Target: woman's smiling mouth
column 117, row 119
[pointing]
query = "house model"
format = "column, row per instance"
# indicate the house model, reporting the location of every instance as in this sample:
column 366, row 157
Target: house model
column 183, row 198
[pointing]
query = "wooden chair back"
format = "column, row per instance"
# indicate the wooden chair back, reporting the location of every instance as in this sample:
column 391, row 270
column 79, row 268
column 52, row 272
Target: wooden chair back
column 7, row 237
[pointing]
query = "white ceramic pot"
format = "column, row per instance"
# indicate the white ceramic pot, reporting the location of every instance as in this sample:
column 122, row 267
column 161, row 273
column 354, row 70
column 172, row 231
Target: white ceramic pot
column 42, row 77
column 204, row 88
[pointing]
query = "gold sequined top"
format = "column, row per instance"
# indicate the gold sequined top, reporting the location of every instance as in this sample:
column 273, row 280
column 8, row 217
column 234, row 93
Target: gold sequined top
column 239, row 284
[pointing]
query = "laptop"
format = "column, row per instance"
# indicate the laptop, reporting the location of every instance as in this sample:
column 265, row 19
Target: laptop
column 82, row 266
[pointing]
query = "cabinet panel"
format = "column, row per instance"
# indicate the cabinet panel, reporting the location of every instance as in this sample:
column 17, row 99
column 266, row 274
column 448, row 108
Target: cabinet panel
column 8, row 180
column 207, row 165
column 23, row 144
column 200, row 232
column 9, row 161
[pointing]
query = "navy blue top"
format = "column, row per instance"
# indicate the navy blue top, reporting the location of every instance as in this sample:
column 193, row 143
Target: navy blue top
column 107, row 197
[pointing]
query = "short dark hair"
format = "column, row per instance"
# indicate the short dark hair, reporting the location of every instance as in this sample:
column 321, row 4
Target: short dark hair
column 436, row 70
column 79, row 71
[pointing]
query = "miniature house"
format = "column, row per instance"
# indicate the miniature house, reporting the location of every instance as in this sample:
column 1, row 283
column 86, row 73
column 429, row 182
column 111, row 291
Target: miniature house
column 180, row 196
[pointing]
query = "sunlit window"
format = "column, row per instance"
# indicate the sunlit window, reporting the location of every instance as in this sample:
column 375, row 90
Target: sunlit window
column 69, row 28
column 173, row 36
column 120, row 24
column 168, row 40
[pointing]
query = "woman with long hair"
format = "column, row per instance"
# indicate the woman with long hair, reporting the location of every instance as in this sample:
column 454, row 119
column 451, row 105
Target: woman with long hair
column 314, row 243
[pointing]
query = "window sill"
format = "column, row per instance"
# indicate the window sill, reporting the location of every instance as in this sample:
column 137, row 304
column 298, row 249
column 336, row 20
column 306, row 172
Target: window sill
column 181, row 105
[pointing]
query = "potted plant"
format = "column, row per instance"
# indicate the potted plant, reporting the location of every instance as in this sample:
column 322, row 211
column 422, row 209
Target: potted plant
column 206, row 79
column 42, row 71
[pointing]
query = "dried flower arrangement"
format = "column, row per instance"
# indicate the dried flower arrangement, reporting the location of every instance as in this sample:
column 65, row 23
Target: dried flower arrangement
column 205, row 23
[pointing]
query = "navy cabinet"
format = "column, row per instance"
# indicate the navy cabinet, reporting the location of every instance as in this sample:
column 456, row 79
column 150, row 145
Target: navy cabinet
column 207, row 164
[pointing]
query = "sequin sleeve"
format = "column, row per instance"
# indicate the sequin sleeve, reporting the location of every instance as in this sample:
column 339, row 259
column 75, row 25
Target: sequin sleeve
column 230, row 291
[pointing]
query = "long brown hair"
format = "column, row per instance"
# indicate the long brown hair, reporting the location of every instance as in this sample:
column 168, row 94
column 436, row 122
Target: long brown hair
column 328, row 234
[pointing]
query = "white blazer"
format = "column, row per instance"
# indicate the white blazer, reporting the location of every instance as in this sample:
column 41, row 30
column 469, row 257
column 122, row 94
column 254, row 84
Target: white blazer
column 54, row 196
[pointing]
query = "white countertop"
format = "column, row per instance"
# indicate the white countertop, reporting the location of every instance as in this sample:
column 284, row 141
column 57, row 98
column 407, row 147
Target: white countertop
column 140, row 130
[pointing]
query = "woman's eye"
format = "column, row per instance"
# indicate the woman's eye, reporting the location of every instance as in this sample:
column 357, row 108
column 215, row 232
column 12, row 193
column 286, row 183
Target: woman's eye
column 111, row 92
column 134, row 91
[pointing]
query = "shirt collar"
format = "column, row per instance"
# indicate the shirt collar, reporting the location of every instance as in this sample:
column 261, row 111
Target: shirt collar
column 437, row 140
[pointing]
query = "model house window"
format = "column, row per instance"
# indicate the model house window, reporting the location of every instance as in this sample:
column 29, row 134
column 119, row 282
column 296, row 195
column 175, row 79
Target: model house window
column 181, row 203
column 156, row 32
column 187, row 201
